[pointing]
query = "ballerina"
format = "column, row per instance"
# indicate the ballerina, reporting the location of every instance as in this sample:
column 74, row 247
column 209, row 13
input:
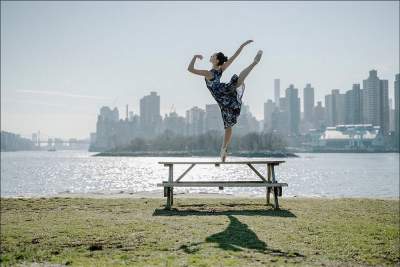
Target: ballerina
column 227, row 95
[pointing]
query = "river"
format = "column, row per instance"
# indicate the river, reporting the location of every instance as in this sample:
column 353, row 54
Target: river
column 44, row 173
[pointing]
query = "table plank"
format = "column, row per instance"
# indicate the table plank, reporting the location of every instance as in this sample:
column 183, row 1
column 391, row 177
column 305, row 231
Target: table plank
column 226, row 162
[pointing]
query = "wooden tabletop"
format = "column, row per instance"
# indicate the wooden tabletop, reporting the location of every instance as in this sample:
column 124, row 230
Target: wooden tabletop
column 226, row 162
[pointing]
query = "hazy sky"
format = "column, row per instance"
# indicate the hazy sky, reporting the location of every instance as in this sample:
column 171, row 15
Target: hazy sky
column 62, row 61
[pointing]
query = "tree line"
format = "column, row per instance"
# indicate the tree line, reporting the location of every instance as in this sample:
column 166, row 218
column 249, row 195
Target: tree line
column 210, row 141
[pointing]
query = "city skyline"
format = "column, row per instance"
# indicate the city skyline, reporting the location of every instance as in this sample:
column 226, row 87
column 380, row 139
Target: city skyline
column 344, row 116
column 71, row 71
column 123, row 114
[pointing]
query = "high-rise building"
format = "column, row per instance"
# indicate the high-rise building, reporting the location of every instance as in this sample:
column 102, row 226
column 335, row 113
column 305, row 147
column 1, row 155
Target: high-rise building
column 213, row 119
column 269, row 108
column 106, row 114
column 277, row 91
column 391, row 115
column 319, row 116
column 376, row 102
column 174, row 123
column 292, row 109
column 330, row 114
column 279, row 117
column 340, row 107
column 308, row 102
column 335, row 108
column 195, row 121
column 246, row 122
column 353, row 104
column 106, row 128
column 397, row 109
column 150, row 118
column 14, row 142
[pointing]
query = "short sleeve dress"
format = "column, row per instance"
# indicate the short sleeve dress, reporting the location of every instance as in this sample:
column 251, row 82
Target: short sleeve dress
column 227, row 95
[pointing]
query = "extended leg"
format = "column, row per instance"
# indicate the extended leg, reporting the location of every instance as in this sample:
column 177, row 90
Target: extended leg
column 246, row 71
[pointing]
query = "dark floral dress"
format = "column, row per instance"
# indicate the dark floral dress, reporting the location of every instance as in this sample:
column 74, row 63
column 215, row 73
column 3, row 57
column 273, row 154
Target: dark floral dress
column 228, row 97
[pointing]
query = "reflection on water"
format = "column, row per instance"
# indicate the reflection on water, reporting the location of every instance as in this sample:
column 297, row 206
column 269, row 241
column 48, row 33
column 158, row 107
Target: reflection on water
column 312, row 174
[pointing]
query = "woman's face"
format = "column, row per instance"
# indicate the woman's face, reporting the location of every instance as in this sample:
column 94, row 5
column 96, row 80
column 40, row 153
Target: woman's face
column 213, row 59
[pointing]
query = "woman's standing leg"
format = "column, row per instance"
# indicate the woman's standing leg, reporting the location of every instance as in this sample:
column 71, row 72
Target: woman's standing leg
column 227, row 140
column 227, row 137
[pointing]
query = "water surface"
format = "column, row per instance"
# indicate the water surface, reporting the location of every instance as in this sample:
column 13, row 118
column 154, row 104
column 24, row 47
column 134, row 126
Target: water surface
column 43, row 173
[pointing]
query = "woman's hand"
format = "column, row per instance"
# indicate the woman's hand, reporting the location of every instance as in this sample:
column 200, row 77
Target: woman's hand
column 246, row 43
column 232, row 58
column 206, row 73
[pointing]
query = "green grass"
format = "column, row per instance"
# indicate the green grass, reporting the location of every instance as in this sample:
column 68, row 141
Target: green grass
column 200, row 232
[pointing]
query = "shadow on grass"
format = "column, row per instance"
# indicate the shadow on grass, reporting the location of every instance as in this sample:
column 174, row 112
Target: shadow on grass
column 236, row 237
column 214, row 212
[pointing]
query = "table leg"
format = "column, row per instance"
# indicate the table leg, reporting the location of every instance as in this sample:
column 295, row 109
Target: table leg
column 268, row 195
column 172, row 196
column 169, row 204
column 276, row 203
column 269, row 180
column 170, row 189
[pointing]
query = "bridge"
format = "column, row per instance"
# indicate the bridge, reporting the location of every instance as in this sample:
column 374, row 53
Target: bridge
column 42, row 138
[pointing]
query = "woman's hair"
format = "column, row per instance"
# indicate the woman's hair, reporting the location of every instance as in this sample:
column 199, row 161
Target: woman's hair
column 221, row 58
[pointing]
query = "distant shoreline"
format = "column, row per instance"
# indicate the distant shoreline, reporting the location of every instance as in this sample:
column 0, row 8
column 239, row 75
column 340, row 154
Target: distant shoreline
column 352, row 151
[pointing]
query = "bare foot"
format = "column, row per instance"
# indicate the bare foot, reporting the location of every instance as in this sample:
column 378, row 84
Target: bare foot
column 257, row 58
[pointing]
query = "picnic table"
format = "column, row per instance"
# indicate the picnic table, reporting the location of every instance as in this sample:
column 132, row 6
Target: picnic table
column 270, row 182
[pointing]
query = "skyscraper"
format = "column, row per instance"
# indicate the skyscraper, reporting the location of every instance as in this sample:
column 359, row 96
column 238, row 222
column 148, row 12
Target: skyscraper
column 150, row 118
column 335, row 108
column 319, row 115
column 308, row 102
column 269, row 108
column 174, row 123
column 391, row 115
column 213, row 120
column 292, row 109
column 195, row 121
column 376, row 101
column 279, row 117
column 106, row 128
column 277, row 91
column 397, row 109
column 353, row 103
column 246, row 122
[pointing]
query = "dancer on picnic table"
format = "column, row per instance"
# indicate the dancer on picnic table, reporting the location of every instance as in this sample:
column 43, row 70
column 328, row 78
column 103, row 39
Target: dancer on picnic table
column 228, row 95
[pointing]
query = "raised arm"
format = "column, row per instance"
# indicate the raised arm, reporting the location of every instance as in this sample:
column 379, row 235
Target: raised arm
column 191, row 68
column 232, row 58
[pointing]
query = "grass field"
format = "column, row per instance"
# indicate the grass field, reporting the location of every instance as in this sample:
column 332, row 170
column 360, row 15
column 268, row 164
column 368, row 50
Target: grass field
column 199, row 232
